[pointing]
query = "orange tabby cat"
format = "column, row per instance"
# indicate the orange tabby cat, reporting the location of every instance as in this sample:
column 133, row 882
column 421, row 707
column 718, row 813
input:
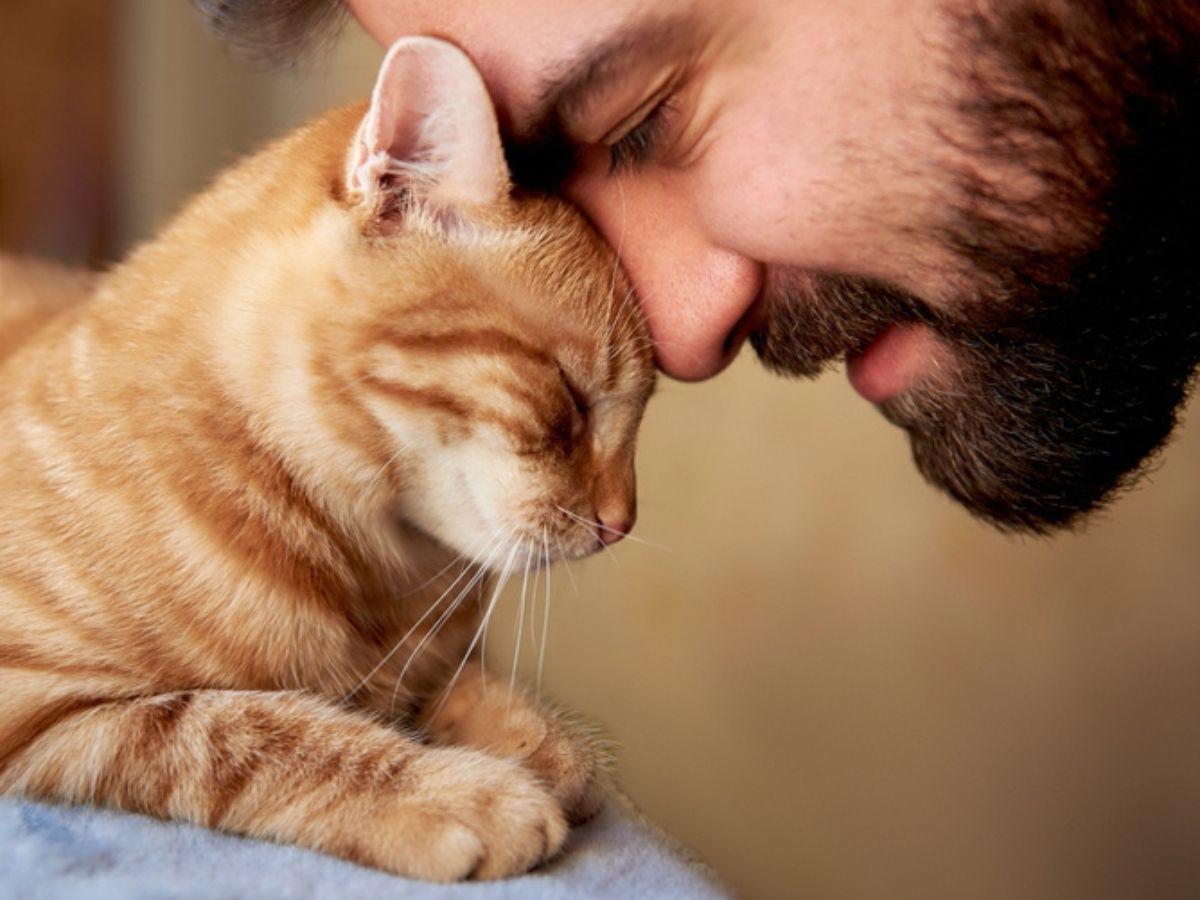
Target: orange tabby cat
column 254, row 489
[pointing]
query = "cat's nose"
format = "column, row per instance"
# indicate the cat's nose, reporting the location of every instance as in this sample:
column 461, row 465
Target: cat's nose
column 613, row 524
column 614, row 501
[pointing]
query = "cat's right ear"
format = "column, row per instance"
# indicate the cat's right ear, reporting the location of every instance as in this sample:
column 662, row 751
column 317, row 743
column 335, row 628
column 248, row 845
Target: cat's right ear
column 430, row 135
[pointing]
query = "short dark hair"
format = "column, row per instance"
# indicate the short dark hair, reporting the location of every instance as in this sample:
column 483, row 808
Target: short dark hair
column 273, row 31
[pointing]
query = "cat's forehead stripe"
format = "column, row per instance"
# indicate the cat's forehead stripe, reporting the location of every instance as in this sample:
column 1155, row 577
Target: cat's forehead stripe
column 470, row 340
column 455, row 407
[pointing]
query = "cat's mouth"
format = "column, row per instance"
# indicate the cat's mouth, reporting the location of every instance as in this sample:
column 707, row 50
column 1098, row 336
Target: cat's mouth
column 502, row 535
column 562, row 536
column 542, row 546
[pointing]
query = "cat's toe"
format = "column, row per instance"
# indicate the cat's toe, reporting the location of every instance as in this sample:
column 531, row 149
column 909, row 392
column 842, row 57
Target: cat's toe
column 520, row 822
column 575, row 768
column 475, row 816
column 447, row 851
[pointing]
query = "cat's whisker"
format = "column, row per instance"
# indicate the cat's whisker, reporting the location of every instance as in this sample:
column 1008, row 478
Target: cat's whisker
column 432, row 634
column 483, row 649
column 446, row 568
column 351, row 384
column 501, row 582
column 608, row 551
column 591, row 523
column 400, row 643
column 545, row 616
column 619, row 318
column 587, row 523
column 616, row 267
column 628, row 308
column 634, row 341
column 512, row 677
column 567, row 566
column 533, row 593
column 370, row 486
column 479, row 575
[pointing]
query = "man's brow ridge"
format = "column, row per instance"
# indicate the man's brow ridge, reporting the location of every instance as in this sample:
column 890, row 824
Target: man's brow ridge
column 541, row 155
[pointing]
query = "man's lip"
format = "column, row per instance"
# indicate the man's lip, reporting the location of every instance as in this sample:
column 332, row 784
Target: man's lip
column 892, row 362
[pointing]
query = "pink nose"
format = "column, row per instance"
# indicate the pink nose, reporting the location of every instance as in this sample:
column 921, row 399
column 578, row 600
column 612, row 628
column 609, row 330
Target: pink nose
column 612, row 529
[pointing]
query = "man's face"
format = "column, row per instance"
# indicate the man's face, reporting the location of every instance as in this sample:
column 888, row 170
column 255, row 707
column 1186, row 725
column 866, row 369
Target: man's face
column 954, row 197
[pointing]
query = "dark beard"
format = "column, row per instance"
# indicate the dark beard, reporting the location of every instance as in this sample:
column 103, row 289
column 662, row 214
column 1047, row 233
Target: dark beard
column 1081, row 337
column 813, row 319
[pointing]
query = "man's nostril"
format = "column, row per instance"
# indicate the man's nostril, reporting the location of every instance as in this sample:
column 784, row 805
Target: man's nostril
column 750, row 321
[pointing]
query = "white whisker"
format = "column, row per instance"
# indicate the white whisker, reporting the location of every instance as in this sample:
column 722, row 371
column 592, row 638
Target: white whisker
column 400, row 643
column 566, row 566
column 593, row 524
column 545, row 616
column 479, row 575
column 384, row 468
column 440, row 573
column 533, row 595
column 512, row 676
column 483, row 625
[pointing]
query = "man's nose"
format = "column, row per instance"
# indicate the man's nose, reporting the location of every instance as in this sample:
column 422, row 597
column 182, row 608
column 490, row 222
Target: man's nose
column 696, row 295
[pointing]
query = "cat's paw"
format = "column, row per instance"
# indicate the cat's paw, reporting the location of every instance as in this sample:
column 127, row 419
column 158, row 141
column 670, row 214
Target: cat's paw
column 575, row 765
column 567, row 755
column 466, row 814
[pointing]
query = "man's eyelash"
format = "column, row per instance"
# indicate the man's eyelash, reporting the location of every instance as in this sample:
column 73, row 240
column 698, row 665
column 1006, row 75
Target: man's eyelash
column 640, row 142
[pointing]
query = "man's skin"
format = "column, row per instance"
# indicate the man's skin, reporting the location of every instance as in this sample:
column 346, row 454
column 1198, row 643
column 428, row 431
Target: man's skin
column 753, row 172
column 987, row 208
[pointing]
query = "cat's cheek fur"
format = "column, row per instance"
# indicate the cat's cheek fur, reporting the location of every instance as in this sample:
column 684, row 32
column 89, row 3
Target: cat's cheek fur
column 482, row 501
column 442, row 500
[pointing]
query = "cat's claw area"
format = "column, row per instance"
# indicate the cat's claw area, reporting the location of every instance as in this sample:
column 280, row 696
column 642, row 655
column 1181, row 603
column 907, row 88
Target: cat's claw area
column 572, row 760
column 84, row 853
column 476, row 817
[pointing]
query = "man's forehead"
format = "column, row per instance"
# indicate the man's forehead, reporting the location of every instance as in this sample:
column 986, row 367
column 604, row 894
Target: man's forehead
column 523, row 48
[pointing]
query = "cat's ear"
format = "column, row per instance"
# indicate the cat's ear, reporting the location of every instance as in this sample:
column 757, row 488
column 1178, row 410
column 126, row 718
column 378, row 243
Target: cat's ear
column 430, row 134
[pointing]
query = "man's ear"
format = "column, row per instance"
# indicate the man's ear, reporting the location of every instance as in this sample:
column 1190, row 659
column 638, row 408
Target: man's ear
column 430, row 134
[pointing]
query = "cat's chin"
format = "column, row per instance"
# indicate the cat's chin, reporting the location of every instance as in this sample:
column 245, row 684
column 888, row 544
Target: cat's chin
column 422, row 548
column 518, row 554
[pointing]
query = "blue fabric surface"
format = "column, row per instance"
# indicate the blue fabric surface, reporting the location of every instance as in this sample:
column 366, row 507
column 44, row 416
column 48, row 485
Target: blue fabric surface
column 78, row 852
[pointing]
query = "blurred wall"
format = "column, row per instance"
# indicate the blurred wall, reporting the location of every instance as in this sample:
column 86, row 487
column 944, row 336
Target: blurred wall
column 833, row 684
column 58, row 122
column 188, row 109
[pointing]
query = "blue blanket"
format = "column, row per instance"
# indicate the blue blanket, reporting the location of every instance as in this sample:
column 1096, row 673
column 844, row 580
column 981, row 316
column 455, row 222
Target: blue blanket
column 92, row 854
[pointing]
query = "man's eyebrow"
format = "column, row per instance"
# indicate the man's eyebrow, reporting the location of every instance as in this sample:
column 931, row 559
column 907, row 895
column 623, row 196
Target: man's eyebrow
column 540, row 154
column 569, row 90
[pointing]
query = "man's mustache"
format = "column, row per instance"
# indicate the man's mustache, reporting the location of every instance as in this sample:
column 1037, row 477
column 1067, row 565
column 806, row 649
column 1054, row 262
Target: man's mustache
column 811, row 320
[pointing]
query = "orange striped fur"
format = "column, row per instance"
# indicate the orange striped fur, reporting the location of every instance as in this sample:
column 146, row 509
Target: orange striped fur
column 31, row 292
column 269, row 466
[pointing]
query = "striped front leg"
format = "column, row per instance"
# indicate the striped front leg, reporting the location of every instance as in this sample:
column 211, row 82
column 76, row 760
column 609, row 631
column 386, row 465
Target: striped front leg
column 292, row 768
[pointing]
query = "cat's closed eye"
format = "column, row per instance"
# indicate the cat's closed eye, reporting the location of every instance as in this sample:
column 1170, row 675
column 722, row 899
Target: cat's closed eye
column 565, row 432
column 578, row 413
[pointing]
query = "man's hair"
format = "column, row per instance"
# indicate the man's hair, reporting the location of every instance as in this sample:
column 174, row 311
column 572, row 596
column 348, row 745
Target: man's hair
column 273, row 31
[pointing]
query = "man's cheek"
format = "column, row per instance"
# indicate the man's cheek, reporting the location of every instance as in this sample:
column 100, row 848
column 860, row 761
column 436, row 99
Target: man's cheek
column 754, row 192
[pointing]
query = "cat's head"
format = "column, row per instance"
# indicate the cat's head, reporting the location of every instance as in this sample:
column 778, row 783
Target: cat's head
column 490, row 363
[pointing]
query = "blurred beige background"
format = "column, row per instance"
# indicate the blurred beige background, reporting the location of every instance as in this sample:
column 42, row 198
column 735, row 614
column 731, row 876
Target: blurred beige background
column 833, row 684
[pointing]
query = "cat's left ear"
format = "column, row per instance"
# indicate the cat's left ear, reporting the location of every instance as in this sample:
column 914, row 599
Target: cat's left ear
column 430, row 134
